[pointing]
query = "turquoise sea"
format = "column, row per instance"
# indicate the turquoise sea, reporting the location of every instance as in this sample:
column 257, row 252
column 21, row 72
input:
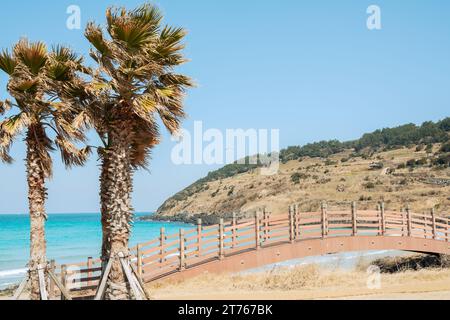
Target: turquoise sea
column 70, row 238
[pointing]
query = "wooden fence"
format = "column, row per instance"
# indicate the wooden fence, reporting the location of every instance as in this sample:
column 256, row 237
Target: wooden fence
column 172, row 253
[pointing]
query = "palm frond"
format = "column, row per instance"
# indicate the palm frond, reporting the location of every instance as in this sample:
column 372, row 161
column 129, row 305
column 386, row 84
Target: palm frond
column 145, row 106
column 5, row 157
column 7, row 62
column 32, row 55
column 6, row 141
column 147, row 14
column 70, row 154
column 13, row 125
column 130, row 32
column 63, row 54
column 82, row 121
column 24, row 86
column 5, row 106
column 94, row 35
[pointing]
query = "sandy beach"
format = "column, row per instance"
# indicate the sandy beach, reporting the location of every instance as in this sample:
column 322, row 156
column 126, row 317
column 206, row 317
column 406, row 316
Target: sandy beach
column 309, row 282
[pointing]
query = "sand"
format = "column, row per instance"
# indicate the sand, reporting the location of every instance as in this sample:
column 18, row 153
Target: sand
column 310, row 283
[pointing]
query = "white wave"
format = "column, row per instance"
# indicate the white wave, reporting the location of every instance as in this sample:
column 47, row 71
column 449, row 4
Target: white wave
column 13, row 272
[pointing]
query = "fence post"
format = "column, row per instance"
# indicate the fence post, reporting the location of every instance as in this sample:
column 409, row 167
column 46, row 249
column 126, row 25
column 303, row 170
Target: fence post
column 447, row 230
column 64, row 279
column 266, row 225
column 433, row 219
column 297, row 221
column 404, row 223
column 162, row 240
column 354, row 217
column 51, row 283
column 199, row 237
column 221, row 240
column 291, row 224
column 257, row 229
column 233, row 231
column 383, row 219
column 182, row 247
column 323, row 208
column 408, row 215
column 139, row 259
column 89, row 274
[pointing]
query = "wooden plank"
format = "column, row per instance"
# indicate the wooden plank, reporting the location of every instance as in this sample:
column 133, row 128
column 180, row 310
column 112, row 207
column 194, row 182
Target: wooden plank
column 101, row 288
column 51, row 284
column 63, row 278
column 89, row 266
column 199, row 237
column 221, row 240
column 409, row 221
column 257, row 236
column 139, row 281
column 324, row 219
column 21, row 287
column 137, row 293
column 42, row 287
column 181, row 251
column 433, row 219
column 63, row 290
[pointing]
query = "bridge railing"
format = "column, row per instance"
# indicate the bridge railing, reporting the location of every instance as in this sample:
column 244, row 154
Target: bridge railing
column 171, row 253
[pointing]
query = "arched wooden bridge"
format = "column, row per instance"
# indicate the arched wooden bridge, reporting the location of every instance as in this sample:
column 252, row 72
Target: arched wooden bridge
column 240, row 245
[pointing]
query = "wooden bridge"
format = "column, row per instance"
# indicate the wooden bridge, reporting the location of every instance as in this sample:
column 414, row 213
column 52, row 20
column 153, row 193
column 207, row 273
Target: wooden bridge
column 240, row 245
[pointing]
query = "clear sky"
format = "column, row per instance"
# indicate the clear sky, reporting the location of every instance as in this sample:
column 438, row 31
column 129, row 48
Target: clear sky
column 309, row 68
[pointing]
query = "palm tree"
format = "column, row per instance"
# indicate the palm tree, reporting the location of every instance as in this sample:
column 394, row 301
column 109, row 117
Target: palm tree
column 133, row 84
column 36, row 78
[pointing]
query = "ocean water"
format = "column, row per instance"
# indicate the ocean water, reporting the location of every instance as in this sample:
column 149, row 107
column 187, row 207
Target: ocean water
column 70, row 238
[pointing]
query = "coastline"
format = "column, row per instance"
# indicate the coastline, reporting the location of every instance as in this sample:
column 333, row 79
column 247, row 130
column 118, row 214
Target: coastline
column 192, row 219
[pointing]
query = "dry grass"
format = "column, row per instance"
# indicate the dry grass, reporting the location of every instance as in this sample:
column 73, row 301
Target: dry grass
column 302, row 278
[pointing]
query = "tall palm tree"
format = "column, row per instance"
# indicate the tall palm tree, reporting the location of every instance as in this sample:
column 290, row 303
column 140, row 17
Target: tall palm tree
column 133, row 85
column 36, row 78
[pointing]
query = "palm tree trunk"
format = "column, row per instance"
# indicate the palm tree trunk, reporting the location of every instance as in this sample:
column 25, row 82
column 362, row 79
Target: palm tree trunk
column 119, row 213
column 105, row 187
column 36, row 201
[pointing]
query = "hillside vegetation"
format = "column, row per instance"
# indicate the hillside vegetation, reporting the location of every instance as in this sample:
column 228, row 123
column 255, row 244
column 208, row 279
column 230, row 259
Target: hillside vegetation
column 408, row 164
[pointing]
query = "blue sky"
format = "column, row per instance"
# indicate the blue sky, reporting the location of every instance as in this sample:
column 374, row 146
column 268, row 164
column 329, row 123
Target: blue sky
column 309, row 68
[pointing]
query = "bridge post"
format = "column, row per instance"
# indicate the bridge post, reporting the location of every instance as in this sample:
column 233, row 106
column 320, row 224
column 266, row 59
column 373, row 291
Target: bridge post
column 324, row 219
column 265, row 225
column 182, row 248
column 291, row 224
column 257, row 230
column 383, row 219
column 354, row 219
column 447, row 230
column 162, row 240
column 221, row 240
column 139, row 259
column 199, row 237
column 408, row 217
column 234, row 231
column 404, row 223
column 433, row 219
